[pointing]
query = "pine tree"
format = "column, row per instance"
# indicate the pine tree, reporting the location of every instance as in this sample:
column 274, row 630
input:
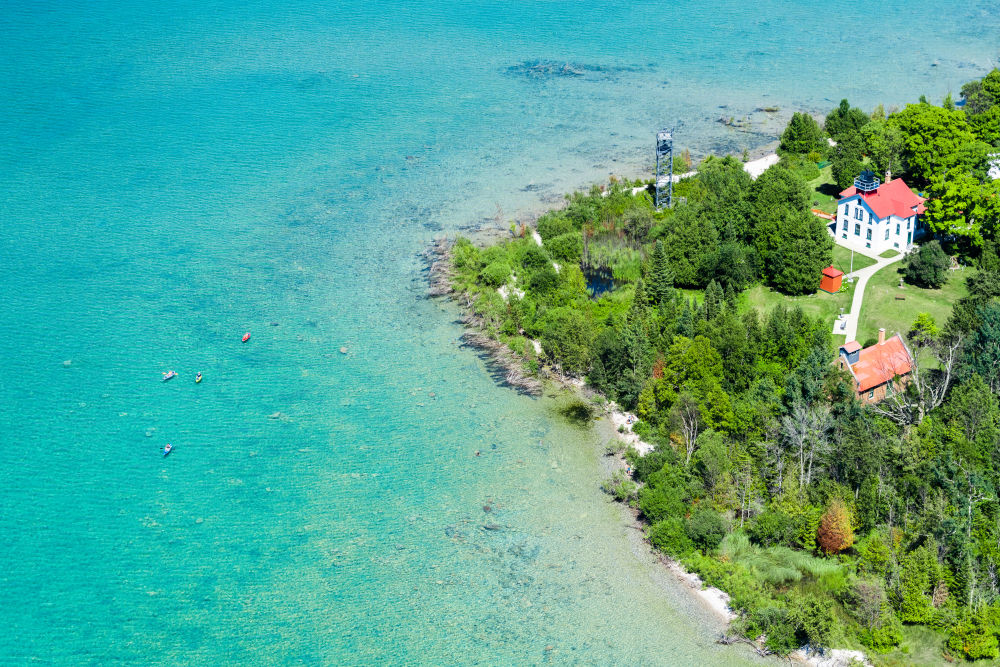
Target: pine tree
column 660, row 277
column 685, row 323
column 635, row 342
column 914, row 602
column 713, row 301
column 639, row 299
column 731, row 297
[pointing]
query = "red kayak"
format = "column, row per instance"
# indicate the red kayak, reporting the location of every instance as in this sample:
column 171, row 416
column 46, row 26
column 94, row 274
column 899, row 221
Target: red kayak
column 246, row 336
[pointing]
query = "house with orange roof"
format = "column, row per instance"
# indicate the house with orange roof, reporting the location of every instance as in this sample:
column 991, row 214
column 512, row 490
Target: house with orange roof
column 873, row 217
column 878, row 370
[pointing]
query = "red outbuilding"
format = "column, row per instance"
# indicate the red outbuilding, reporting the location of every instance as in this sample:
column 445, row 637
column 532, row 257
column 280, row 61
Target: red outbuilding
column 830, row 282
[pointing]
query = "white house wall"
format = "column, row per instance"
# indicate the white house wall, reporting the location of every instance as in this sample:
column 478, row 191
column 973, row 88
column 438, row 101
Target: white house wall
column 901, row 231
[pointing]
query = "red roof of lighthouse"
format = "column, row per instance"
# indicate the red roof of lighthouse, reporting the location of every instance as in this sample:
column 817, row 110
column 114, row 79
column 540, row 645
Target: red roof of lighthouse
column 892, row 198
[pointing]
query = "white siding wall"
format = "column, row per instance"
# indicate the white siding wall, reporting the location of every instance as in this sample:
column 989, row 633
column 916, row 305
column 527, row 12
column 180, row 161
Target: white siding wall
column 853, row 232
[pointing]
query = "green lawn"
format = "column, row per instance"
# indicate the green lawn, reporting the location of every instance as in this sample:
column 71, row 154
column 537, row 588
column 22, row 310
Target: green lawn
column 842, row 259
column 823, row 192
column 889, row 253
column 881, row 308
column 820, row 304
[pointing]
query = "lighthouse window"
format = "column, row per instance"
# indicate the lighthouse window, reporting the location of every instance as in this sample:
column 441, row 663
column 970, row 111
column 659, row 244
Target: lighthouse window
column 858, row 214
column 857, row 230
column 897, row 229
column 887, row 234
column 868, row 237
column 845, row 225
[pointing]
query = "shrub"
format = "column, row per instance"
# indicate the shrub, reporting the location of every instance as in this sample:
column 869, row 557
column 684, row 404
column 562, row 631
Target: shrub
column 464, row 255
column 660, row 502
column 973, row 637
column 813, row 619
column 544, row 280
column 637, row 222
column 773, row 621
column 928, row 266
column 566, row 337
column 566, row 247
column 495, row 253
column 670, row 537
column 706, row 529
column 554, row 224
column 772, row 527
column 615, row 448
column 885, row 636
column 495, row 274
column 620, row 486
column 535, row 258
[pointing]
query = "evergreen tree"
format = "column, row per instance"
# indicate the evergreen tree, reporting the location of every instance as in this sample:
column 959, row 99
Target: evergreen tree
column 870, row 506
column 803, row 135
column 639, row 298
column 805, row 249
column 847, row 160
column 689, row 239
column 714, row 300
column 914, row 603
column 731, row 297
column 685, row 324
column 982, row 353
column 774, row 197
column 660, row 278
column 928, row 266
column 845, row 121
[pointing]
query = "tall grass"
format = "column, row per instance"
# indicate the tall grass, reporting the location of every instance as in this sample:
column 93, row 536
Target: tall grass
column 614, row 253
column 779, row 565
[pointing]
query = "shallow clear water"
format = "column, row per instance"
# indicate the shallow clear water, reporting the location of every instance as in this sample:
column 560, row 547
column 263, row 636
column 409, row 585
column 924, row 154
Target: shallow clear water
column 175, row 176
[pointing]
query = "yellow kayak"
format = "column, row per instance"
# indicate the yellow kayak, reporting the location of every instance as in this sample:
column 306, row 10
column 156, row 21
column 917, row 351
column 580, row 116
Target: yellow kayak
column 197, row 378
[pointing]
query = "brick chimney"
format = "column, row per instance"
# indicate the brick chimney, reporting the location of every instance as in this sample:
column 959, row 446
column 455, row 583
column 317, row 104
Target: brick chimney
column 881, row 335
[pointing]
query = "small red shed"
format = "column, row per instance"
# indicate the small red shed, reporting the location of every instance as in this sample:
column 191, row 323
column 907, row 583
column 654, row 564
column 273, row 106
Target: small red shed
column 830, row 282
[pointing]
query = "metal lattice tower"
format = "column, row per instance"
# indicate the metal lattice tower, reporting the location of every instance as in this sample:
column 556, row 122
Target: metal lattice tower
column 664, row 169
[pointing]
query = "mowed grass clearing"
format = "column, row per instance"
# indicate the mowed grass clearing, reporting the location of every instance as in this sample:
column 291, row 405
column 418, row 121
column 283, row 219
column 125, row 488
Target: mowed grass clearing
column 821, row 304
column 823, row 192
column 842, row 259
column 881, row 308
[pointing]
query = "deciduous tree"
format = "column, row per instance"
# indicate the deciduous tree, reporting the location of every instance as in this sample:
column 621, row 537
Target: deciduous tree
column 932, row 137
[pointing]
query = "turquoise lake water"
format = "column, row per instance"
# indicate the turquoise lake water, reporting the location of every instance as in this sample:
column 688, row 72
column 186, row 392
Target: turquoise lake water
column 174, row 175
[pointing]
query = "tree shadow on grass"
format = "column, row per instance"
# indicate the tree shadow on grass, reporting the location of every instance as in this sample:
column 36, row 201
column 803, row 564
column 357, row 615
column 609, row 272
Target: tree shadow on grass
column 829, row 189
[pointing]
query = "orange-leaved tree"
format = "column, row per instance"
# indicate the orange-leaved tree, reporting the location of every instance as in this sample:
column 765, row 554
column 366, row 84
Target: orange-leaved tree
column 835, row 533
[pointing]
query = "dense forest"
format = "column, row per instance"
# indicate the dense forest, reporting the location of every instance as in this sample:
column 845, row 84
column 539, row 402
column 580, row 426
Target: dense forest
column 829, row 522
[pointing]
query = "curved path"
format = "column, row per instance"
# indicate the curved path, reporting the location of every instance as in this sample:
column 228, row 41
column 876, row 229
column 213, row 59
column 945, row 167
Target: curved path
column 848, row 324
